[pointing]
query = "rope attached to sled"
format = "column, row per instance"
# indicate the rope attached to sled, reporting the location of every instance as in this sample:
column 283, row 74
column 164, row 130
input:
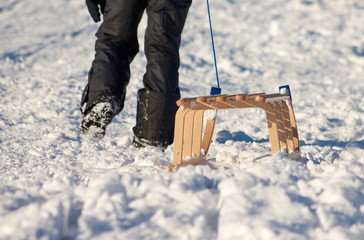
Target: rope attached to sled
column 214, row 90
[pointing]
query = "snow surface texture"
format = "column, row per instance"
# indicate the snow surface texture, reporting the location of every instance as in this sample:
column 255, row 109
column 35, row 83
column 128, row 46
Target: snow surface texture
column 54, row 184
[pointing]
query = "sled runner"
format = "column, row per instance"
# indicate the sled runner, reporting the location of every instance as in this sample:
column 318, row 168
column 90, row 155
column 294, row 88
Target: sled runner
column 195, row 121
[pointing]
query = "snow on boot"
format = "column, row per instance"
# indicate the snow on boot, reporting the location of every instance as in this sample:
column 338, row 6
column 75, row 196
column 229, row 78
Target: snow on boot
column 94, row 123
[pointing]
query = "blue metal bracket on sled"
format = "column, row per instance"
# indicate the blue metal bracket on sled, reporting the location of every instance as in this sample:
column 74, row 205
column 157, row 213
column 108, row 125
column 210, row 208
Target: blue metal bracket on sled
column 285, row 90
column 215, row 91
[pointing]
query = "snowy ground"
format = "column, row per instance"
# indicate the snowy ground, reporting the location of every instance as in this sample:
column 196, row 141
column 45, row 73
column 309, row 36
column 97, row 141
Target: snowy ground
column 54, row 184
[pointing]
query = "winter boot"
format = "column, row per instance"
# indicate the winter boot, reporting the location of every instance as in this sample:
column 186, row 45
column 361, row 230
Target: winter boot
column 155, row 119
column 95, row 121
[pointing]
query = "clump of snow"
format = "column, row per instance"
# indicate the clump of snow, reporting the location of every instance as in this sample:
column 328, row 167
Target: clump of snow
column 55, row 184
column 210, row 114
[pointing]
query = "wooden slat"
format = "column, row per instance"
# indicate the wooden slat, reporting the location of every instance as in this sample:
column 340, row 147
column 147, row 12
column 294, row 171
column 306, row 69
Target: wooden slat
column 187, row 135
column 197, row 133
column 207, row 135
column 272, row 128
column 287, row 127
column 178, row 135
column 280, row 127
column 296, row 142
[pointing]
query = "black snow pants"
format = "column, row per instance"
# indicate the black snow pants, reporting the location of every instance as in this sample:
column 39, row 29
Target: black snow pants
column 116, row 47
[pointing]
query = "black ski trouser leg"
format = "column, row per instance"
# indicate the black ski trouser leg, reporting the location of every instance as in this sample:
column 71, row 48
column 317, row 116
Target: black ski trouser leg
column 157, row 101
column 115, row 47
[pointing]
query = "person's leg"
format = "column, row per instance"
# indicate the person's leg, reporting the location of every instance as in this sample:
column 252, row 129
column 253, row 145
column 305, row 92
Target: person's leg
column 115, row 47
column 157, row 101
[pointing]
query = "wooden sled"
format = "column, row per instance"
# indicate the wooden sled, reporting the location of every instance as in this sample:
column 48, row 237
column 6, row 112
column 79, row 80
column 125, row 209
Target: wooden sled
column 195, row 121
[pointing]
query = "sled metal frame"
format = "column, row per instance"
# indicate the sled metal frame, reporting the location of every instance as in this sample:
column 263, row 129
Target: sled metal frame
column 195, row 121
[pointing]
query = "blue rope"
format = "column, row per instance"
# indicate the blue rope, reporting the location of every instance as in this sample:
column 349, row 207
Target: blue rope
column 217, row 90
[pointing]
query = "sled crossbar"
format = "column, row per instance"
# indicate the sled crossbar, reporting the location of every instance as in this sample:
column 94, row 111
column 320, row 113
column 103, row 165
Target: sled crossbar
column 195, row 121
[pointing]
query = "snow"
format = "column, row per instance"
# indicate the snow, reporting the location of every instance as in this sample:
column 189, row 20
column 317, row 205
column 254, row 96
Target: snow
column 56, row 185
